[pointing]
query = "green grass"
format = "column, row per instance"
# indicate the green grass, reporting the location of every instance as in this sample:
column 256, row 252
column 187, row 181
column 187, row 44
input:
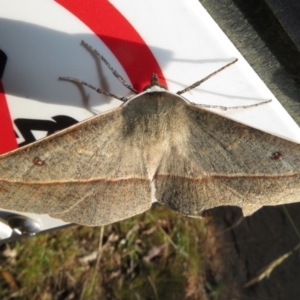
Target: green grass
column 157, row 255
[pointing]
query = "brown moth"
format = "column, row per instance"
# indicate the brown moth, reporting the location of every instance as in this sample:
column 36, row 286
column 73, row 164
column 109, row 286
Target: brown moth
column 156, row 146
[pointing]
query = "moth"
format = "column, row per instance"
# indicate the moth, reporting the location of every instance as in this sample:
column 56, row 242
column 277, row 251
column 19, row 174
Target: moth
column 157, row 146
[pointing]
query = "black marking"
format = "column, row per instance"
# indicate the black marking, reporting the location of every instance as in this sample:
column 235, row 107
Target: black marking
column 276, row 155
column 38, row 162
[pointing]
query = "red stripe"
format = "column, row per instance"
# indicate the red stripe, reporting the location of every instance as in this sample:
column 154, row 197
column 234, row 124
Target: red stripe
column 120, row 37
column 7, row 136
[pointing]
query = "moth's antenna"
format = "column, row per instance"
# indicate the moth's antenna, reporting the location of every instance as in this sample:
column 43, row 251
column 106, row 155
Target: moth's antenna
column 197, row 83
column 115, row 73
column 230, row 107
column 98, row 90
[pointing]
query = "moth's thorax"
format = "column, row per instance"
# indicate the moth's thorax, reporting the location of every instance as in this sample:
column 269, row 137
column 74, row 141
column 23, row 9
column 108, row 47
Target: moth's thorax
column 149, row 121
column 155, row 88
column 153, row 116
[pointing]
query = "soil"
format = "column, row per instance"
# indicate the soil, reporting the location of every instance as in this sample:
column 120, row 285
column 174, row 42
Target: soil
column 240, row 248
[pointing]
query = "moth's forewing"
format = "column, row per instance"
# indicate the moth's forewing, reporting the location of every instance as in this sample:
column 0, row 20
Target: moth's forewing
column 157, row 145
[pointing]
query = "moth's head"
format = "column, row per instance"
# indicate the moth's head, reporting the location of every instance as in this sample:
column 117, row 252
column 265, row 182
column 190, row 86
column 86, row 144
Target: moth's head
column 154, row 82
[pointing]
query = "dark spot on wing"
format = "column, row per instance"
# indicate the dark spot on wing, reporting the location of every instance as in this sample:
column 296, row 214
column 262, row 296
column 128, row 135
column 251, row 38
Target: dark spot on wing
column 38, row 162
column 276, row 155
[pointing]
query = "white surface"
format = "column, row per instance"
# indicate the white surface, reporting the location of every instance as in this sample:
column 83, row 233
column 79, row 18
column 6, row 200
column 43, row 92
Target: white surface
column 43, row 43
column 185, row 40
column 5, row 231
column 45, row 222
column 198, row 47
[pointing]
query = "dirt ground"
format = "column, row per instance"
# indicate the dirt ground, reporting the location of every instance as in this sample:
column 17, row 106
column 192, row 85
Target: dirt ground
column 241, row 248
column 161, row 255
